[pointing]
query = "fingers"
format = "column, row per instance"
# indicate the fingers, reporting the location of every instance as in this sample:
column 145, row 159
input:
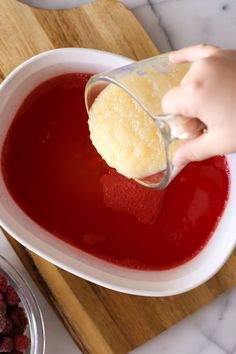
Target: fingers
column 193, row 53
column 184, row 99
column 198, row 149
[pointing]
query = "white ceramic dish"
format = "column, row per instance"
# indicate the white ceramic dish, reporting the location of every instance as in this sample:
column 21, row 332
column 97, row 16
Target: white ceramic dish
column 149, row 283
column 55, row 4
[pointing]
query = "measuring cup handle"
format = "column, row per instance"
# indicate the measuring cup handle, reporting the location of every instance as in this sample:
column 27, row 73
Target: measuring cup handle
column 180, row 127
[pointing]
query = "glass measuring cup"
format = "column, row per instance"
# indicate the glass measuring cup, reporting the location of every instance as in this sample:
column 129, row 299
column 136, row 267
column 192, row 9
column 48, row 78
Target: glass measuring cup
column 146, row 82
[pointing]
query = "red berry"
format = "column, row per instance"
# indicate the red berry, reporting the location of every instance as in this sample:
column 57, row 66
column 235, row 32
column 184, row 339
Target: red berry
column 3, row 283
column 21, row 343
column 11, row 297
column 19, row 320
column 2, row 307
column 2, row 315
column 6, row 344
column 1, row 297
column 8, row 328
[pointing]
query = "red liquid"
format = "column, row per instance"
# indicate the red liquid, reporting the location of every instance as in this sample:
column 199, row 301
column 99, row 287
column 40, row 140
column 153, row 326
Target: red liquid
column 56, row 176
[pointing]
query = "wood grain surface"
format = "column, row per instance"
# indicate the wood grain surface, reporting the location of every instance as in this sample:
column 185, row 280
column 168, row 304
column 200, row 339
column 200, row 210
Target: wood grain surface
column 101, row 321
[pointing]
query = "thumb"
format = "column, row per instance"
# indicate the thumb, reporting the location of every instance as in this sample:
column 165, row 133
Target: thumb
column 198, row 149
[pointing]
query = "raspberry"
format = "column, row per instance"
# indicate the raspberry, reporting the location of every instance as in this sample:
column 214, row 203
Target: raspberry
column 13, row 320
column 2, row 315
column 3, row 283
column 11, row 297
column 8, row 328
column 2, row 322
column 2, row 307
column 19, row 320
column 21, row 343
column 6, row 344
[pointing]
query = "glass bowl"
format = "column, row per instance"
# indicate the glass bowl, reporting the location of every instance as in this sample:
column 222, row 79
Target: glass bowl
column 35, row 328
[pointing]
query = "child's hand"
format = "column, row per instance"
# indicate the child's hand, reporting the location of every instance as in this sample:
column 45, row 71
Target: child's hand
column 207, row 92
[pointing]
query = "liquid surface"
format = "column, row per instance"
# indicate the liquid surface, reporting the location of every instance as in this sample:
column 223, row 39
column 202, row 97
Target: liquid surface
column 55, row 175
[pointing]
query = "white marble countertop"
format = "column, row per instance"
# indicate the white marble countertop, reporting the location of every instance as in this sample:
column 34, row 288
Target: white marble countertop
column 171, row 24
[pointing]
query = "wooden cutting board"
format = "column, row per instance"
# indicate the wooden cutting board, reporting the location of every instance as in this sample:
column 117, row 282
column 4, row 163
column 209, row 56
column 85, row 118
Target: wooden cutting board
column 101, row 321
